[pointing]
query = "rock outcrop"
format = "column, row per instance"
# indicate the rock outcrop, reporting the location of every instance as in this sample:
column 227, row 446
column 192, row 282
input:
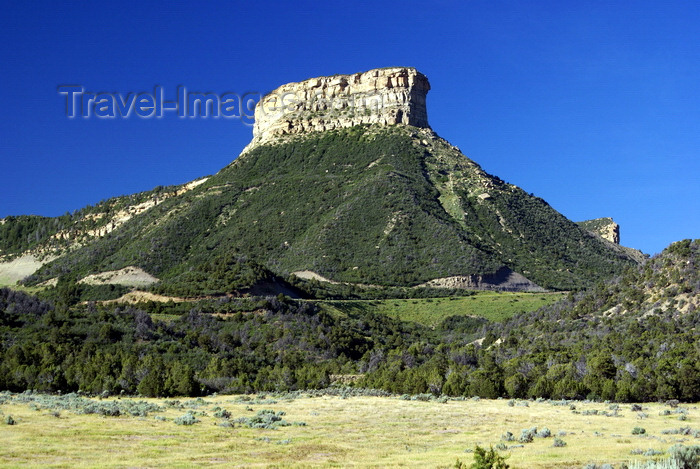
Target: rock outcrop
column 606, row 228
column 386, row 96
column 502, row 280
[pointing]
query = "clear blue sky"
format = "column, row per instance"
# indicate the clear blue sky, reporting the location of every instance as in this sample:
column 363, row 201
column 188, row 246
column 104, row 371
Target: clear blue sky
column 593, row 106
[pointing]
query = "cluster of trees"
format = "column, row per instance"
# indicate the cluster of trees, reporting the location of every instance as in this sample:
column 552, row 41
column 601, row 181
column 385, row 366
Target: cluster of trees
column 17, row 234
column 573, row 349
column 635, row 338
column 288, row 345
column 281, row 345
column 617, row 359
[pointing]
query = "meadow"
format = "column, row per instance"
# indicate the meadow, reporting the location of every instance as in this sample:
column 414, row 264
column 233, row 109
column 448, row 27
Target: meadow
column 492, row 306
column 340, row 428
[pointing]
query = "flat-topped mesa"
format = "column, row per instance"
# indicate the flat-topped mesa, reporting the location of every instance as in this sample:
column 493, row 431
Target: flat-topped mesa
column 385, row 96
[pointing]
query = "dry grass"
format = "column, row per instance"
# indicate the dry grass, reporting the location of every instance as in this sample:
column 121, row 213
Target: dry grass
column 353, row 432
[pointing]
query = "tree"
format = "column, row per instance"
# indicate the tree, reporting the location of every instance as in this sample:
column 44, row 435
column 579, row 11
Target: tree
column 180, row 381
column 490, row 459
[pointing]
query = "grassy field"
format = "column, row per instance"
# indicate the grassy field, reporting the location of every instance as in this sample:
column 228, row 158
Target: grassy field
column 338, row 432
column 431, row 311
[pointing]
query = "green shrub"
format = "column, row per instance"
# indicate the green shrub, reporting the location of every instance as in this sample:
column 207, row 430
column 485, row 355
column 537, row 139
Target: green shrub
column 638, row 431
column 266, row 418
column 687, row 457
column 559, row 443
column 527, row 435
column 186, row 419
column 222, row 414
column 490, row 459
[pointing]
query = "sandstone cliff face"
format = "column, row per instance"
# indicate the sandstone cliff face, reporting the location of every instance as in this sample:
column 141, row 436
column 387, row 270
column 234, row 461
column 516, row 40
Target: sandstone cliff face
column 606, row 228
column 502, row 280
column 386, row 96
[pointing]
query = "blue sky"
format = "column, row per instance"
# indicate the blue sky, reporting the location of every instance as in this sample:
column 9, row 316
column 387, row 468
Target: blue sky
column 593, row 106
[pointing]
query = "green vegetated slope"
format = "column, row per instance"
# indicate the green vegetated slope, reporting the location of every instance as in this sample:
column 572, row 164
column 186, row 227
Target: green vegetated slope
column 631, row 339
column 54, row 235
column 368, row 204
column 431, row 312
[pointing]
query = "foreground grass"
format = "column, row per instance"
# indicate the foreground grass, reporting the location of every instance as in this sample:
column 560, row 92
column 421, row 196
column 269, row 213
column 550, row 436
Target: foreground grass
column 338, row 432
column 494, row 306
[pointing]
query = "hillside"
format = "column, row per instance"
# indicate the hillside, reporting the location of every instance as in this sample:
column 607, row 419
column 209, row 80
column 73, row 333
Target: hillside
column 633, row 338
column 364, row 193
column 368, row 204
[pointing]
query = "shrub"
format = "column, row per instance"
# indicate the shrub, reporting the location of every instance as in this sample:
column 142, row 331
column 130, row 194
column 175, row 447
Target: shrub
column 186, row 419
column 638, row 431
column 266, row 418
column 527, row 435
column 681, row 431
column 222, row 414
column 687, row 457
column 559, row 443
column 508, row 436
column 9, row 420
column 544, row 433
column 490, row 459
